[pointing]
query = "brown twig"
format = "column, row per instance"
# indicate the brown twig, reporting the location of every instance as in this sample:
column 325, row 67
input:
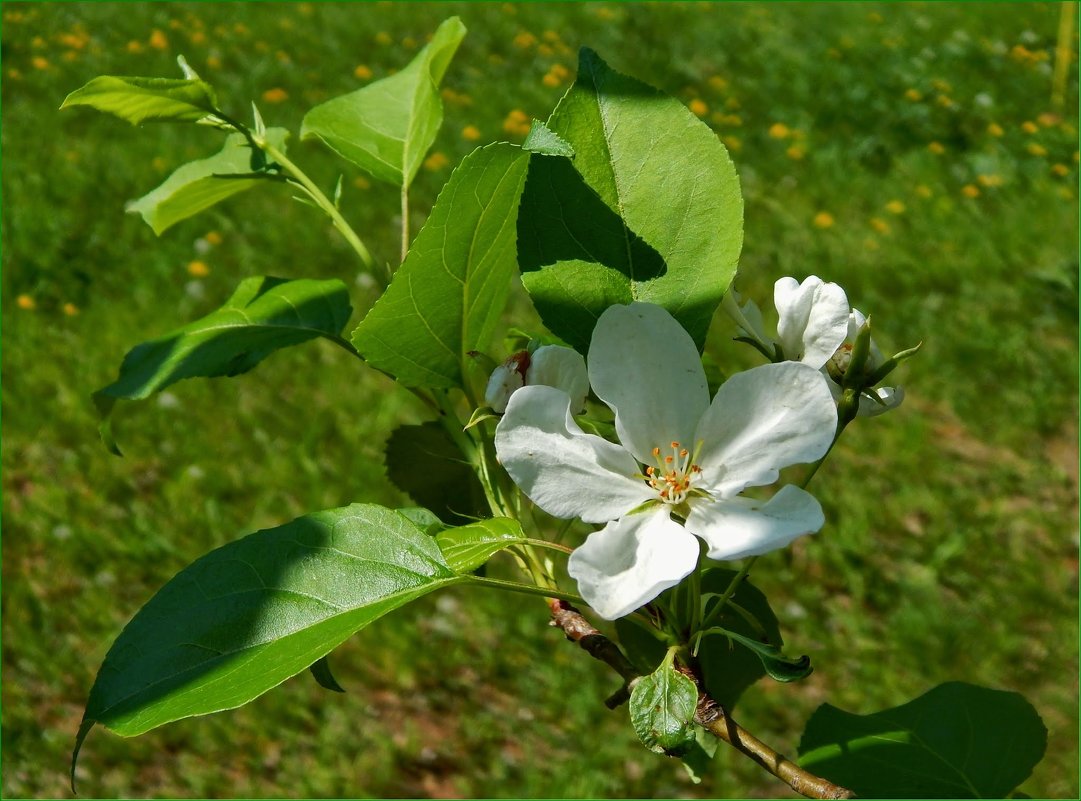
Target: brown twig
column 709, row 714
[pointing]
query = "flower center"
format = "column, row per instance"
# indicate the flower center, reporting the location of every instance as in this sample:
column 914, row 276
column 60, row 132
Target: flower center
column 674, row 474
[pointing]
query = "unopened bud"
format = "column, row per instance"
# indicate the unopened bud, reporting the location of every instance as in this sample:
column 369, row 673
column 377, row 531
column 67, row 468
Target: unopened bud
column 505, row 379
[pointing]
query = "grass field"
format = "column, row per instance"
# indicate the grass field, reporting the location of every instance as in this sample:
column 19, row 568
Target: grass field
column 910, row 152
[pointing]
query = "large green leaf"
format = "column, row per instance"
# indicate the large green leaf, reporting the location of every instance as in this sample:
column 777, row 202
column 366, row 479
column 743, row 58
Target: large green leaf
column 424, row 462
column 199, row 185
column 140, row 100
column 263, row 315
column 662, row 710
column 387, row 126
column 468, row 547
column 448, row 295
column 956, row 741
column 249, row 615
column 675, row 227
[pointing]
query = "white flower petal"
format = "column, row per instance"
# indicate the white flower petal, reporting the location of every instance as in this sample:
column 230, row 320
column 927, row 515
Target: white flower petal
column 631, row 561
column 761, row 420
column 742, row 527
column 563, row 470
column 813, row 319
column 562, row 368
column 504, row 381
column 647, row 369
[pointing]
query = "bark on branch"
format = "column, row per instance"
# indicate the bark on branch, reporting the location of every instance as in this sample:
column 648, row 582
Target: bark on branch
column 709, row 714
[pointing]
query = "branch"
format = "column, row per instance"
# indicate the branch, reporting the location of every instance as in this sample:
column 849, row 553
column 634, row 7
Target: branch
column 709, row 714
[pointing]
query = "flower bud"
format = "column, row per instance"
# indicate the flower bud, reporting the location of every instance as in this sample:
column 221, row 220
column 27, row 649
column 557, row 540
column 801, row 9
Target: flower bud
column 506, row 378
column 548, row 365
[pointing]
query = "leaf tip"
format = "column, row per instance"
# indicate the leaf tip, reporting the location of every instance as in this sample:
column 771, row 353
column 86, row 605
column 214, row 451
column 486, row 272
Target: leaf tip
column 80, row 737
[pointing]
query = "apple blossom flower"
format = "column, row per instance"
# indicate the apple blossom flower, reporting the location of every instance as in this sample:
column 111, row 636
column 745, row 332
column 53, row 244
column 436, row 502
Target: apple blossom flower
column 549, row 365
column 817, row 327
column 681, row 462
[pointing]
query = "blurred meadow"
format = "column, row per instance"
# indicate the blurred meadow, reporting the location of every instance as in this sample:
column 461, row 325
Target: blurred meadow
column 911, row 152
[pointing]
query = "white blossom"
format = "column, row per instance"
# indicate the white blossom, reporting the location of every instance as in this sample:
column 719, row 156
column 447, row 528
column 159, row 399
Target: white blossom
column 681, row 462
column 548, row 365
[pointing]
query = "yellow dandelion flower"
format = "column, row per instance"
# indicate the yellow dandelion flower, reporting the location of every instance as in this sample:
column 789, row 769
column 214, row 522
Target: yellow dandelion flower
column 550, row 80
column 795, row 152
column 605, row 13
column 1061, row 170
column 525, row 40
column 559, row 71
column 733, row 143
column 70, row 309
column 197, row 37
column 275, row 95
column 198, row 269
column 915, row 95
column 924, row 191
column 941, row 85
column 515, row 121
column 717, row 83
column 870, row 243
column 26, row 302
column 995, row 129
column 823, row 220
column 306, row 9
column 40, row 63
column 363, row 72
column 550, row 36
column 1029, row 127
column 545, row 50
column 436, row 161
column 895, row 207
column 38, row 42
column 13, row 74
column 471, row 132
column 213, row 237
column 360, row 182
column 240, row 29
column 213, row 62
column 944, row 101
column 936, row 148
column 989, row 180
column 880, row 225
column 968, row 190
column 698, row 108
column 874, row 17
column 383, row 38
column 72, row 40
column 1047, row 119
column 409, row 43
column 779, row 131
column 732, row 104
column 1036, row 149
column 158, row 40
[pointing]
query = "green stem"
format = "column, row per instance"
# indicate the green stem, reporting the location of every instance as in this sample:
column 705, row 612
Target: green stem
column 320, row 200
column 526, row 589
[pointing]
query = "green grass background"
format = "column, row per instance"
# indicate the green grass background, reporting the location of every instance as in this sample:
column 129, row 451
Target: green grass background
column 951, row 548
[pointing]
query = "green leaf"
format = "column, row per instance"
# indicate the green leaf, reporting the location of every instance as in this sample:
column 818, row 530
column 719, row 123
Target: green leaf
column 448, row 295
column 662, row 710
column 423, row 519
column 468, row 547
column 263, row 315
column 249, row 615
column 424, row 462
column 198, row 185
column 140, row 100
column 956, row 741
column 727, row 670
column 675, row 224
column 320, row 669
column 778, row 666
column 698, row 757
column 387, row 126
column 543, row 140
